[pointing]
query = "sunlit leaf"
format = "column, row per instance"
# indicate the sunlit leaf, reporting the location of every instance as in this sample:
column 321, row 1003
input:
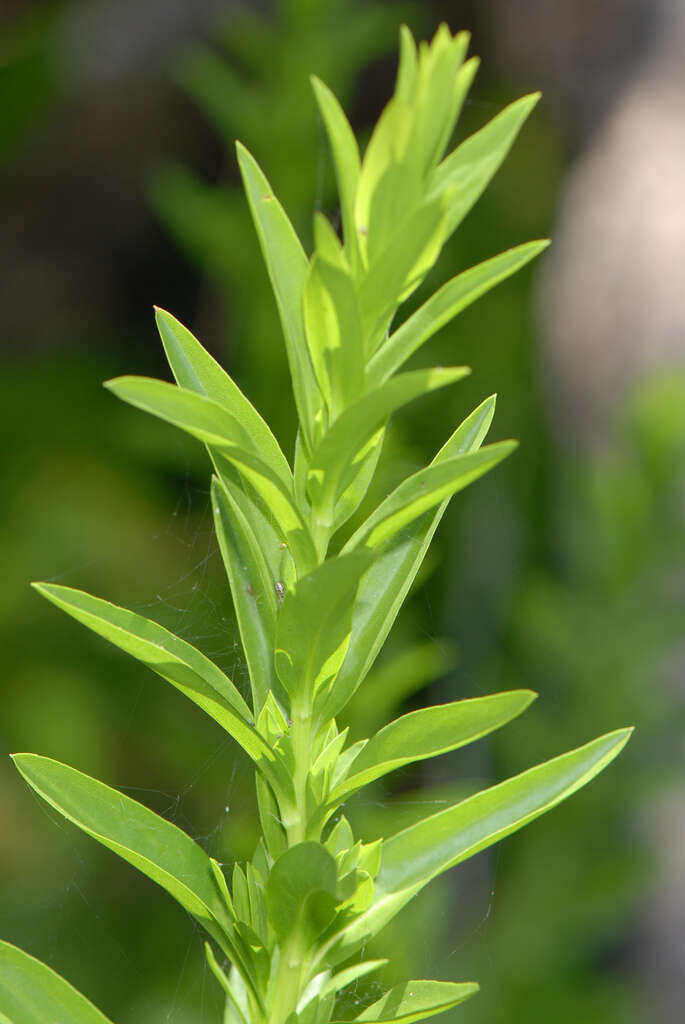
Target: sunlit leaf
column 471, row 166
column 287, row 267
column 445, row 304
column 173, row 659
column 32, row 993
column 428, row 732
column 416, row 1000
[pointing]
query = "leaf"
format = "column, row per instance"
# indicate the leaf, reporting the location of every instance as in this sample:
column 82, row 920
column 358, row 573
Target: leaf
column 416, row 1000
column 427, row 733
column 287, row 266
column 173, row 659
column 334, row 334
column 424, row 490
column 415, row 856
column 444, row 305
column 408, row 253
column 335, row 462
column 150, row 843
column 32, row 993
column 201, row 417
column 345, row 156
column 472, row 165
column 350, row 974
column 353, row 495
column 277, row 500
column 232, row 996
column 301, row 892
column 196, row 370
column 387, row 582
column 314, row 623
column 252, row 587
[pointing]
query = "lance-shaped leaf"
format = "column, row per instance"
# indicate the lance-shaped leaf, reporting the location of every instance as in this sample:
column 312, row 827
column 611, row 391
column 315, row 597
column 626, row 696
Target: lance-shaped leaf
column 471, row 166
column 427, row 733
column 426, row 489
column 301, row 892
column 314, row 624
column 202, row 418
column 287, row 266
column 252, row 587
column 353, row 495
column 345, row 157
column 416, row 1000
column 173, row 659
column 150, row 843
column 345, row 977
column 387, row 582
column 415, row 856
column 334, row 334
column 32, row 993
column 278, row 501
column 407, row 255
column 445, row 304
column 196, row 370
column 336, row 460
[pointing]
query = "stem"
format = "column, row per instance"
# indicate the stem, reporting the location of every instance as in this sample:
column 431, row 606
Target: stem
column 302, row 737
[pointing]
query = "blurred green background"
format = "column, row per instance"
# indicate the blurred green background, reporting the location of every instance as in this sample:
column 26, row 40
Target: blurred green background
column 563, row 571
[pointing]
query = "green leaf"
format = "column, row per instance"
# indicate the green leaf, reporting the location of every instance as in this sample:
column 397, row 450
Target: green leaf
column 410, row 250
column 202, row 418
column 301, row 892
column 150, row 843
column 334, row 334
column 387, row 582
column 287, row 266
column 415, row 856
column 353, row 495
column 416, row 1000
column 445, row 304
column 350, row 974
column 278, row 503
column 472, row 165
column 231, row 995
column 424, row 490
column 314, row 624
column 196, row 370
column 345, row 157
column 32, row 993
column 427, row 733
column 252, row 587
column 336, row 460
column 418, row 854
column 173, row 659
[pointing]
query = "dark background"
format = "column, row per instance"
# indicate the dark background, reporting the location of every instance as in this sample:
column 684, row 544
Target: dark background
column 563, row 571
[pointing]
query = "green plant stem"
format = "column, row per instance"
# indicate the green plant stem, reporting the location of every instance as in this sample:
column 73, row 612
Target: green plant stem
column 302, row 736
